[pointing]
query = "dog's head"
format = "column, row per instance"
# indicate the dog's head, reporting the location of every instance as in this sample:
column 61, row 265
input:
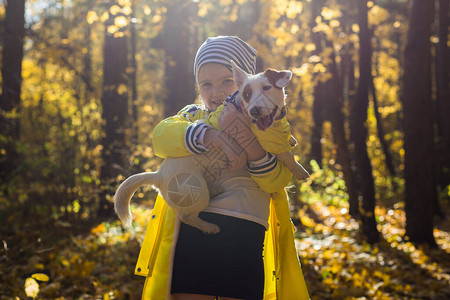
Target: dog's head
column 262, row 94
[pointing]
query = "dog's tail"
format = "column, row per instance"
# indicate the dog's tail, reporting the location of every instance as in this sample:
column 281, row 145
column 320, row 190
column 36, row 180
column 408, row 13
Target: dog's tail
column 126, row 190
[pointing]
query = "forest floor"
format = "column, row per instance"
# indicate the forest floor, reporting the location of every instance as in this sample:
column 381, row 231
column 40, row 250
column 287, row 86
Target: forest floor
column 67, row 261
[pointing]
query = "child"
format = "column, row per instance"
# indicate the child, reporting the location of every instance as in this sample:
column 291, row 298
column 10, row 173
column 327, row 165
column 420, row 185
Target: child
column 252, row 211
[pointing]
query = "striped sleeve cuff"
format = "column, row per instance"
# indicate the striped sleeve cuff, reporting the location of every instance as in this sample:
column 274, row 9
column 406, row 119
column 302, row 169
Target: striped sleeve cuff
column 192, row 138
column 263, row 166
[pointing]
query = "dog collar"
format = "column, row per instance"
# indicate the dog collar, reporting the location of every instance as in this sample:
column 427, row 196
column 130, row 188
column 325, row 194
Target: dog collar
column 232, row 99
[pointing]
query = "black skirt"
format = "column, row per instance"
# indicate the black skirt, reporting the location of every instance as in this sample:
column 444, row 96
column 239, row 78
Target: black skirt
column 227, row 264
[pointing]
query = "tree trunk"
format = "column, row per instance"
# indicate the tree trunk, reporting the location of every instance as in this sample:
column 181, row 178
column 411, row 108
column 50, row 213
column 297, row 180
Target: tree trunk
column 443, row 95
column 318, row 105
column 348, row 68
column 335, row 111
column 418, row 126
column 179, row 64
column 133, row 81
column 87, row 63
column 12, row 56
column 115, row 111
column 318, row 119
column 363, row 164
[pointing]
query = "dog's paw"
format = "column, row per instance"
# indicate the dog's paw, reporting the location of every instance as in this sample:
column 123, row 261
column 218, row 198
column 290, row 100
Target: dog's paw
column 195, row 221
column 302, row 176
column 211, row 228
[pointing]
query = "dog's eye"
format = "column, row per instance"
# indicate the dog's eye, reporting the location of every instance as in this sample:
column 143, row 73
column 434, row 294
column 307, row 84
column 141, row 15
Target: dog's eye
column 267, row 87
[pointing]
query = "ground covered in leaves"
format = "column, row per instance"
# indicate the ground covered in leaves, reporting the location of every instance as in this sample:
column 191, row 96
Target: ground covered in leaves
column 66, row 261
column 338, row 264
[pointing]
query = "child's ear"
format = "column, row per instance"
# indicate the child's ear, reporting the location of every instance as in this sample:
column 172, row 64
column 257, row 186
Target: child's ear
column 238, row 74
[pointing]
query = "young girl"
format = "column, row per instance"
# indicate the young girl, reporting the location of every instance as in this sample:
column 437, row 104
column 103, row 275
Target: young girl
column 253, row 256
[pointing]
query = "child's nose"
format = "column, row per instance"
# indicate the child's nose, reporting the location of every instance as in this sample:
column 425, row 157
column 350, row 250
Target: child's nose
column 219, row 93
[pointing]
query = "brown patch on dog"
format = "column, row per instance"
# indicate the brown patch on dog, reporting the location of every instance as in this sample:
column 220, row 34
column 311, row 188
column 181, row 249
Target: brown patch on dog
column 273, row 76
column 247, row 93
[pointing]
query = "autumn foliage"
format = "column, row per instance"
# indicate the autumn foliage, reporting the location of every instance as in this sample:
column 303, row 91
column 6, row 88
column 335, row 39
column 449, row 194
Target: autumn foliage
column 85, row 81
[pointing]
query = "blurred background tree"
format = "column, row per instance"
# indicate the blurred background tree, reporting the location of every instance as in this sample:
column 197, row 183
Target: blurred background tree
column 12, row 55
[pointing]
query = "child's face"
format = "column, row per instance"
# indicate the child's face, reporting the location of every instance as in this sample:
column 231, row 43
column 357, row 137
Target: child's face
column 215, row 83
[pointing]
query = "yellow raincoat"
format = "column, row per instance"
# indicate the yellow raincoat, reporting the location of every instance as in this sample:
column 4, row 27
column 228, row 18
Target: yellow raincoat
column 283, row 275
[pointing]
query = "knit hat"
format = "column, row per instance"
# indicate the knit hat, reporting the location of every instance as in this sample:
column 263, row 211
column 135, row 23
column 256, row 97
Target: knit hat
column 223, row 49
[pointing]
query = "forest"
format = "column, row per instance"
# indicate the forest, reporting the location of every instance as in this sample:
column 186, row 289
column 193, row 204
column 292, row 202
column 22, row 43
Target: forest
column 84, row 82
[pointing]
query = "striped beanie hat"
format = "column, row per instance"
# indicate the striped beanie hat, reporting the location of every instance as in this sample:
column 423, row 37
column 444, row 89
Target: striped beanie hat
column 223, row 49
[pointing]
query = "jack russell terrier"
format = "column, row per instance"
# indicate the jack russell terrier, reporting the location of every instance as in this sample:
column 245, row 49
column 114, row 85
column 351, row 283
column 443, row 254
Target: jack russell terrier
column 182, row 181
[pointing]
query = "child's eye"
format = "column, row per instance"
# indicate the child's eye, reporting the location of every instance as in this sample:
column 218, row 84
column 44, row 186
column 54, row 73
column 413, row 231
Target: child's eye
column 205, row 85
column 267, row 87
column 228, row 81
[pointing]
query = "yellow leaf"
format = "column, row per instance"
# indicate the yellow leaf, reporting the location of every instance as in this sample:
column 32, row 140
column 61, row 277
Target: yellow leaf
column 122, row 89
column 328, row 254
column 147, row 10
column 318, row 20
column 91, row 17
column 335, row 268
column 294, row 8
column 112, row 29
column 31, row 287
column 322, row 27
column 378, row 274
column 300, row 72
column 319, row 68
column 119, row 35
column 202, row 9
column 335, row 23
column 115, row 9
column 328, row 13
column 156, row 18
column 295, row 28
column 100, row 228
column 307, row 221
column 124, row 2
column 377, row 15
column 233, row 16
column 104, row 17
column 40, row 276
column 127, row 10
column 120, row 21
column 310, row 47
column 76, row 206
column 225, row 2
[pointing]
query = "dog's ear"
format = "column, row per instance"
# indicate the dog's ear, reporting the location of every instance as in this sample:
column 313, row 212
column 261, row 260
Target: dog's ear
column 279, row 79
column 238, row 74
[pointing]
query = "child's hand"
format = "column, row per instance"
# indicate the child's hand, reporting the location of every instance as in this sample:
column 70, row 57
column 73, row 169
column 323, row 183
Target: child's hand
column 237, row 126
column 235, row 155
column 230, row 115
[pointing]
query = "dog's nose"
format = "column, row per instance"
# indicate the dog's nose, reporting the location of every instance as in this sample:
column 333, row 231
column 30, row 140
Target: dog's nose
column 254, row 111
